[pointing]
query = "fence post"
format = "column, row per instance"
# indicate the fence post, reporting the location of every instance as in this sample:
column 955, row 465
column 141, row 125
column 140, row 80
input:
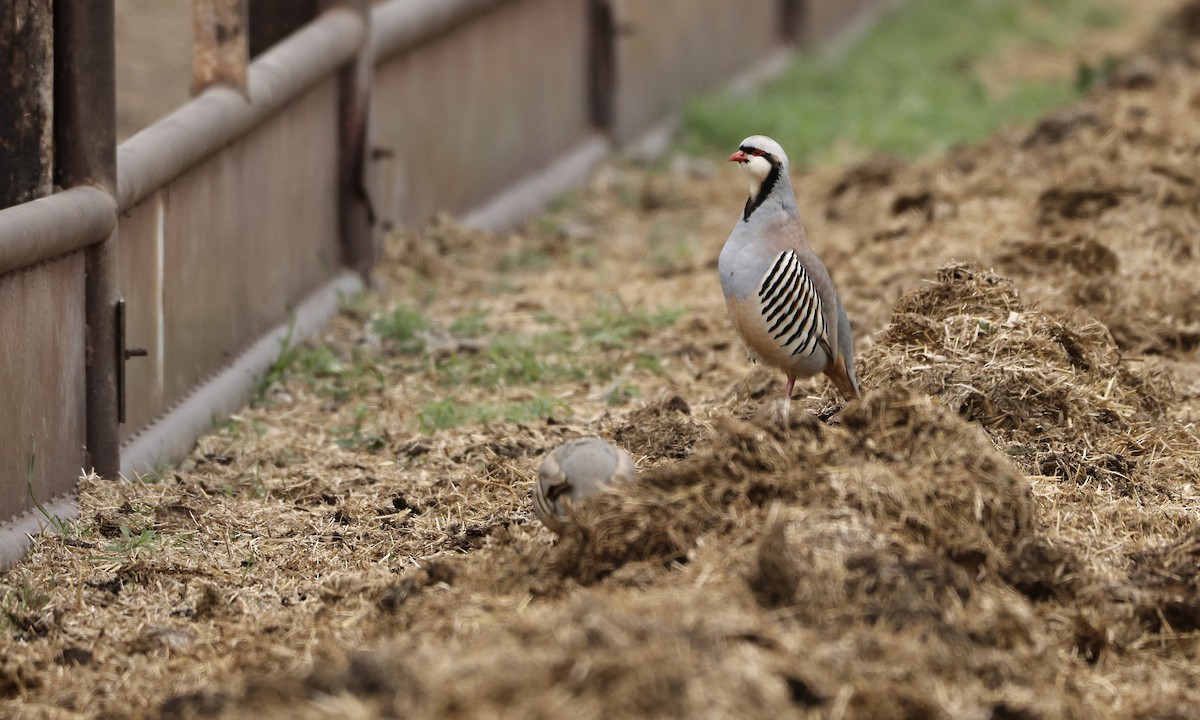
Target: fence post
column 220, row 44
column 85, row 138
column 273, row 20
column 26, row 118
column 602, row 64
column 355, row 215
column 793, row 17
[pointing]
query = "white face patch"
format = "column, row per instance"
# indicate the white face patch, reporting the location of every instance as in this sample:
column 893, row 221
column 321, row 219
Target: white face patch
column 762, row 142
column 756, row 168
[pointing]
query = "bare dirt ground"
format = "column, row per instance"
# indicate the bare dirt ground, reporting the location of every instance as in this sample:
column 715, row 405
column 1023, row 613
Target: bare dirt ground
column 1007, row 526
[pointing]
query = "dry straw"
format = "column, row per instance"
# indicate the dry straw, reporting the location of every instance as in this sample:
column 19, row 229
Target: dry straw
column 1005, row 527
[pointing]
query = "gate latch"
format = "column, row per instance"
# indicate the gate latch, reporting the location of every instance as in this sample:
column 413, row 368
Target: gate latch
column 123, row 354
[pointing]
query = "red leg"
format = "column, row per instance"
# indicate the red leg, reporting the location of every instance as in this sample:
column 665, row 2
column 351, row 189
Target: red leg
column 787, row 394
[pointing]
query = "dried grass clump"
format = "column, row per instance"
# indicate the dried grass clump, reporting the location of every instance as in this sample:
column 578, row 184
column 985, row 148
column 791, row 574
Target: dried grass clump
column 782, row 560
column 901, row 460
column 662, row 430
column 1165, row 587
column 1053, row 391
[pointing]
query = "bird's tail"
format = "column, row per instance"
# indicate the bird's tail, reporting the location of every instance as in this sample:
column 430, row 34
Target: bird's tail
column 843, row 378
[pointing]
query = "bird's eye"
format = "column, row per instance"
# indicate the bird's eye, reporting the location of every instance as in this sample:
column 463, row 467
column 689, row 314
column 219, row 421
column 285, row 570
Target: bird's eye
column 757, row 153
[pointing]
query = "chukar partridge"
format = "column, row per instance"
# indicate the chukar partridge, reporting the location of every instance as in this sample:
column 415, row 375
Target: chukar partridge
column 575, row 470
column 778, row 293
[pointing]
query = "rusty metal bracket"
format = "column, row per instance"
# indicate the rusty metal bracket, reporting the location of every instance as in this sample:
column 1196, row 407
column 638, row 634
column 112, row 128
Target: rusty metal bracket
column 123, row 354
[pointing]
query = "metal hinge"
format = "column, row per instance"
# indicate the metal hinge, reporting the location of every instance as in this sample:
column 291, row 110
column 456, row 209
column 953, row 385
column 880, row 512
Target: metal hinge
column 123, row 354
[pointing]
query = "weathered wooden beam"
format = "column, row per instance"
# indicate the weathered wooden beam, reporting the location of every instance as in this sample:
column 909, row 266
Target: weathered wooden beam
column 26, row 94
column 220, row 44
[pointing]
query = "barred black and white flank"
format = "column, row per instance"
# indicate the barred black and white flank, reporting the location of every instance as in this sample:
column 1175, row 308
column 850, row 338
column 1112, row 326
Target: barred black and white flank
column 791, row 307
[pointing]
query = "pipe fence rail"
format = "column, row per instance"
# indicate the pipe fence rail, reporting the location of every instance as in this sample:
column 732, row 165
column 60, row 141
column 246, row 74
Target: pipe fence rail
column 146, row 287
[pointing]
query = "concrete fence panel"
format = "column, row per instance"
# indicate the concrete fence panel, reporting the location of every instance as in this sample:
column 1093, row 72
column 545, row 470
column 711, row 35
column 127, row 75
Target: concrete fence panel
column 669, row 50
column 41, row 382
column 457, row 117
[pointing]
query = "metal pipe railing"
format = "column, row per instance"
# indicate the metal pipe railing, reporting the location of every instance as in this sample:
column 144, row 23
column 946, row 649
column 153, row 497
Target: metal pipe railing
column 50, row 227
column 398, row 26
column 161, row 152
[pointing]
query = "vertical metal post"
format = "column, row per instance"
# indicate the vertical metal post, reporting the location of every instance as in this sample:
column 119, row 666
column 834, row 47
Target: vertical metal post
column 602, row 64
column 26, row 115
column 793, row 19
column 273, row 20
column 355, row 215
column 85, row 139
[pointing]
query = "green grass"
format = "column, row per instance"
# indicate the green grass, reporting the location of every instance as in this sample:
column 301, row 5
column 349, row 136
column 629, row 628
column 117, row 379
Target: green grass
column 450, row 412
column 130, row 545
column 473, row 324
column 672, row 246
column 555, row 354
column 595, row 352
column 525, row 258
column 288, row 352
column 911, row 86
column 611, row 327
column 21, row 607
column 357, row 435
column 401, row 328
column 62, row 527
column 510, row 360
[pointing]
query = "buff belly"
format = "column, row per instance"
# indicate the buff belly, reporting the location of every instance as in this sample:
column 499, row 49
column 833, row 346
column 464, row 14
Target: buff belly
column 750, row 327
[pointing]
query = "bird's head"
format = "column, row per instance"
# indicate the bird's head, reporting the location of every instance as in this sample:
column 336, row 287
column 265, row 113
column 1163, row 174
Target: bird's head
column 759, row 155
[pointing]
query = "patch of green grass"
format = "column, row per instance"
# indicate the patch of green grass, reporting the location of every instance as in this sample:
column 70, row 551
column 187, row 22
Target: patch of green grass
column 620, row 393
column 441, row 414
column 548, row 224
column 160, row 472
column 22, row 607
column 554, row 356
column 512, row 360
column 357, row 306
column 236, row 426
column 450, row 412
column 650, row 362
column 354, row 436
column 401, row 327
column 585, row 256
column 323, row 368
column 473, row 324
column 130, row 545
column 672, row 248
column 288, row 352
column 63, row 527
column 910, row 86
column 338, row 378
column 526, row 257
column 24, row 599
column 613, row 327
column 319, row 362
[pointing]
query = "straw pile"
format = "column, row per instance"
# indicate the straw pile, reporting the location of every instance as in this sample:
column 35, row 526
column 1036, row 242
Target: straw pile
column 1005, row 527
